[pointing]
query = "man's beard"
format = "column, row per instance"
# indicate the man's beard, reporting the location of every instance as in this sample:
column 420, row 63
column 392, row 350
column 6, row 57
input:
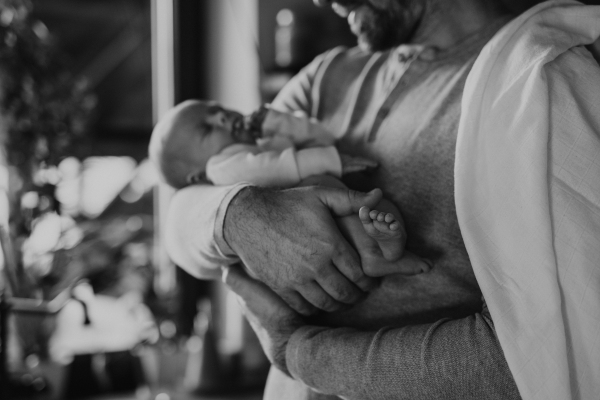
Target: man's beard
column 383, row 27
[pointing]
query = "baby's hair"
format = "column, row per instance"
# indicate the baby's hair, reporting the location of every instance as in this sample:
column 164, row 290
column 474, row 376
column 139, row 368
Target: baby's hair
column 173, row 169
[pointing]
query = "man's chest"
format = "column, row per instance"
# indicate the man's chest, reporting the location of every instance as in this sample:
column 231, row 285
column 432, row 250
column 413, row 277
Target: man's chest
column 409, row 128
column 415, row 148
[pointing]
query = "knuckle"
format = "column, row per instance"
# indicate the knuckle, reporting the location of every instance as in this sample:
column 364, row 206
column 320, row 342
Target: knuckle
column 330, row 306
column 301, row 308
column 369, row 268
column 368, row 283
column 341, row 252
column 346, row 294
column 322, row 273
column 307, row 309
column 330, row 247
column 325, row 303
column 285, row 295
column 296, row 281
column 297, row 302
column 355, row 273
column 291, row 300
column 352, row 195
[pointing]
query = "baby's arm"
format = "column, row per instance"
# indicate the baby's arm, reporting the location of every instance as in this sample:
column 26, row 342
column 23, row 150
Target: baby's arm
column 272, row 168
column 303, row 131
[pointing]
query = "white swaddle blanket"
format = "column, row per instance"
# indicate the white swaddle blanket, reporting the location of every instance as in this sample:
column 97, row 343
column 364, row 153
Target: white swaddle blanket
column 528, row 196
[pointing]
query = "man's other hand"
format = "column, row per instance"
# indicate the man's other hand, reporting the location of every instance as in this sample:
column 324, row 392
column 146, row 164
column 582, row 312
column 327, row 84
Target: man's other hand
column 270, row 317
column 289, row 240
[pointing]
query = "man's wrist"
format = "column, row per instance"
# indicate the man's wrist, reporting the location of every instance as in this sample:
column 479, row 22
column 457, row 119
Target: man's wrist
column 253, row 123
column 232, row 216
column 243, row 208
column 281, row 357
column 296, row 351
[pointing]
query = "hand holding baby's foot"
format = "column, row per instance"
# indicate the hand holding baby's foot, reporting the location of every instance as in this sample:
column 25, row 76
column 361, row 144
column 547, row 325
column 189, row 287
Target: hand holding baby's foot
column 409, row 264
column 386, row 230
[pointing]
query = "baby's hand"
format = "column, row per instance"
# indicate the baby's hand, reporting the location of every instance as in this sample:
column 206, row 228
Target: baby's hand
column 352, row 164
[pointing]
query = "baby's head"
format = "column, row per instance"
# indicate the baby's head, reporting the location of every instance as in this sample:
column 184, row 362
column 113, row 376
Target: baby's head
column 188, row 135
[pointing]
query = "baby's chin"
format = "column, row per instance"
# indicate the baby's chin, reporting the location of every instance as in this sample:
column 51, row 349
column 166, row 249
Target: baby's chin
column 243, row 136
column 240, row 133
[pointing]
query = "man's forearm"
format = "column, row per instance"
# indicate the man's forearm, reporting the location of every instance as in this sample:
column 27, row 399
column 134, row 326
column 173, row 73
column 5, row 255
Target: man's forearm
column 235, row 229
column 450, row 359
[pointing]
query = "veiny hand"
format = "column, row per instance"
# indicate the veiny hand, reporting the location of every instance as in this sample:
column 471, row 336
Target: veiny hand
column 288, row 239
column 352, row 164
column 270, row 317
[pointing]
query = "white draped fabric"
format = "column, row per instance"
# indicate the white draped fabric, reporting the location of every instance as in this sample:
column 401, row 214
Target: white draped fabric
column 528, row 196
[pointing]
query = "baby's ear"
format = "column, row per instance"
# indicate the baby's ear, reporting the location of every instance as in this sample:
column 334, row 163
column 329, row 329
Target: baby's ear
column 196, row 177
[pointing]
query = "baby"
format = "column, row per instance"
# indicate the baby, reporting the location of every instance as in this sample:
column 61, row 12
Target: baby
column 198, row 140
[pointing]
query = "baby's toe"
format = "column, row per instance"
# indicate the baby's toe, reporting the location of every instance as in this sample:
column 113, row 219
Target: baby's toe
column 363, row 214
column 373, row 214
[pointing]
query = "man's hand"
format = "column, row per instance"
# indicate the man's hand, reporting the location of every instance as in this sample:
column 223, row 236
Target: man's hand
column 351, row 164
column 289, row 240
column 270, row 317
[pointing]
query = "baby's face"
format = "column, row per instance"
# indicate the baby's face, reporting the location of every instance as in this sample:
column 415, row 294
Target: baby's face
column 208, row 128
column 199, row 130
column 215, row 121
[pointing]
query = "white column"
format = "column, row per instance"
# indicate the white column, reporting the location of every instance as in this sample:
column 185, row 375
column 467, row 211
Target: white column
column 163, row 98
column 233, row 68
column 232, row 56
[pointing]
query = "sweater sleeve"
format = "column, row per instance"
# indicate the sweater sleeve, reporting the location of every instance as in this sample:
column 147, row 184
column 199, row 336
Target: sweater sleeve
column 300, row 94
column 194, row 229
column 273, row 168
column 449, row 359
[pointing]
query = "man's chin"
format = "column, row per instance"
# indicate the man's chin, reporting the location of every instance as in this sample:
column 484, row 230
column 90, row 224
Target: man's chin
column 373, row 43
column 376, row 31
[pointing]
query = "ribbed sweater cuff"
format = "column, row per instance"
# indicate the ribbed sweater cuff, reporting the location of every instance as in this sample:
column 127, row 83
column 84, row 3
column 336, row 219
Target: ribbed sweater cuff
column 219, row 235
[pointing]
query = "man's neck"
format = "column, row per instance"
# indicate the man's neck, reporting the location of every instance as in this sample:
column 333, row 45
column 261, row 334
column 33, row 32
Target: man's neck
column 445, row 23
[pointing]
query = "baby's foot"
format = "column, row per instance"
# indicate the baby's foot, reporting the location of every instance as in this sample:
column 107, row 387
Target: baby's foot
column 386, row 230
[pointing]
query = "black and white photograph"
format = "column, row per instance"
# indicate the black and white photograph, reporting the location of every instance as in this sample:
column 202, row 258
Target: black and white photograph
column 299, row 199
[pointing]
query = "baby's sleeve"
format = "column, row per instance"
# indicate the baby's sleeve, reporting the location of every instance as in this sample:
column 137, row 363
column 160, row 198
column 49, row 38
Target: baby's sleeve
column 193, row 233
column 303, row 131
column 273, row 168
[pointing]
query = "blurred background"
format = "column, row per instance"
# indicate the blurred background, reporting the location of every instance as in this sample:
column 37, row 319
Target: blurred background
column 91, row 305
